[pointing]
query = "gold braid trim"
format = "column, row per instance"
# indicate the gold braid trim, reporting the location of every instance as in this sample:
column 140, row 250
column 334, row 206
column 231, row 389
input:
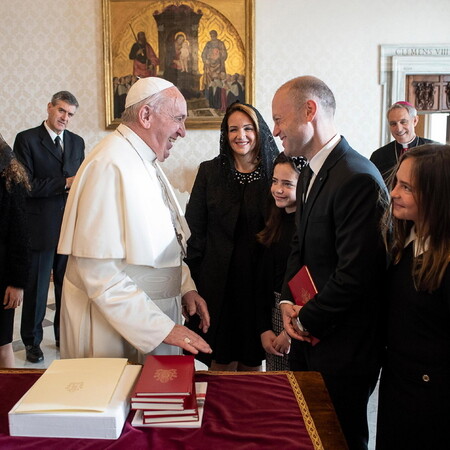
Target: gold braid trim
column 309, row 422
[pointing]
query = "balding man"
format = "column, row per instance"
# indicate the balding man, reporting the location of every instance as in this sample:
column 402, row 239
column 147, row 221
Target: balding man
column 337, row 237
column 402, row 118
column 125, row 235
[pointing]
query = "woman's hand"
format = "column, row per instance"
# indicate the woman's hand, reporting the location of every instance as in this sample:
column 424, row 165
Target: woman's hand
column 13, row 297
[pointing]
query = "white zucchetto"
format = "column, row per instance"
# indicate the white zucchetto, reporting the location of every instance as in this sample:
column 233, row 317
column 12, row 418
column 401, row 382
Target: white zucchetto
column 144, row 88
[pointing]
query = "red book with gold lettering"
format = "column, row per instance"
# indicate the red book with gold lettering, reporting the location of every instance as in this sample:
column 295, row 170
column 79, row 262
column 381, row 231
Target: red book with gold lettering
column 303, row 289
column 166, row 376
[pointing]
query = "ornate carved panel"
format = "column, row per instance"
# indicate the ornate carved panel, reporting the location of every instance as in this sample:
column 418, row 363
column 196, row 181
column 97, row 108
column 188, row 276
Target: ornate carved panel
column 429, row 93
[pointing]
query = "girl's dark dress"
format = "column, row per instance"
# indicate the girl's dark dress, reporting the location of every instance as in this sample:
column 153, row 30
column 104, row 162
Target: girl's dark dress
column 414, row 401
column 274, row 263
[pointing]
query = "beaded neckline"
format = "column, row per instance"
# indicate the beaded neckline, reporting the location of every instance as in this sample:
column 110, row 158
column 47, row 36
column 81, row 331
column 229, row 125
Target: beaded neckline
column 245, row 178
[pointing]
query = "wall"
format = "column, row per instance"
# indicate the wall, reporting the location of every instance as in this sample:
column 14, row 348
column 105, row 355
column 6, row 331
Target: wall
column 50, row 45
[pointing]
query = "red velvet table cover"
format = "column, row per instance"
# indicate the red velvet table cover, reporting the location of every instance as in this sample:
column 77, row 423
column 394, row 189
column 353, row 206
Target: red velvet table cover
column 242, row 411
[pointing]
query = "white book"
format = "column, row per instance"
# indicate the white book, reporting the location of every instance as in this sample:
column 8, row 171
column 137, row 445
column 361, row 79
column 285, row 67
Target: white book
column 107, row 424
column 82, row 384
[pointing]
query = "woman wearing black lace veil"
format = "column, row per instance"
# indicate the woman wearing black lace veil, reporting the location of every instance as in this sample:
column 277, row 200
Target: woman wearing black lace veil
column 224, row 213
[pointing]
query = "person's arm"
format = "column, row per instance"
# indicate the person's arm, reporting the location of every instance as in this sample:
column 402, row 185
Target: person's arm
column 17, row 243
column 197, row 219
column 360, row 255
column 129, row 310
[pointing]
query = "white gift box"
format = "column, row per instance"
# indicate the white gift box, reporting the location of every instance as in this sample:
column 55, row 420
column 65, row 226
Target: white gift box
column 107, row 424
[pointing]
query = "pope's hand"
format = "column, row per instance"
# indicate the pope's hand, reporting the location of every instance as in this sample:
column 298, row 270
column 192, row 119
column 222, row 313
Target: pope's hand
column 188, row 340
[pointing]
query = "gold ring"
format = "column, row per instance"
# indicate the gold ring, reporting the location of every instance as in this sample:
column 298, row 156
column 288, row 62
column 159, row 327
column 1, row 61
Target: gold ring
column 187, row 340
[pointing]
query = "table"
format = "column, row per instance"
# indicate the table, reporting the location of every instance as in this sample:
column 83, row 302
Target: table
column 243, row 410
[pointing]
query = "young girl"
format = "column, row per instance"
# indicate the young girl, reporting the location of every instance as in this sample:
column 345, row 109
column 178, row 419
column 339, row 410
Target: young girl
column 276, row 238
column 414, row 398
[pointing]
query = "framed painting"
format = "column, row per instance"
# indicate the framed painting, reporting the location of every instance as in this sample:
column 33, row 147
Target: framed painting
column 205, row 48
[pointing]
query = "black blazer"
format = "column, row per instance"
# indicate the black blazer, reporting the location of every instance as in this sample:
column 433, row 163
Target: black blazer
column 338, row 238
column 48, row 171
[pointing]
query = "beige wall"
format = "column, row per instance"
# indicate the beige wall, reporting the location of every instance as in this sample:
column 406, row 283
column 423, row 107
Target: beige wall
column 50, row 45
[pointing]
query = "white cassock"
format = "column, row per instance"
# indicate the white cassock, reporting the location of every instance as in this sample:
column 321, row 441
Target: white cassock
column 125, row 277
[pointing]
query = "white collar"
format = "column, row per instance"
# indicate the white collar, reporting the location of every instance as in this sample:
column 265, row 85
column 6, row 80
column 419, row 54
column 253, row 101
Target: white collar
column 53, row 134
column 319, row 158
column 418, row 249
column 144, row 151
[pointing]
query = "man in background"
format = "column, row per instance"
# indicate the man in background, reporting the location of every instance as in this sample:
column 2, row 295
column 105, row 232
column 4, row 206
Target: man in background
column 337, row 237
column 126, row 286
column 51, row 155
column 402, row 118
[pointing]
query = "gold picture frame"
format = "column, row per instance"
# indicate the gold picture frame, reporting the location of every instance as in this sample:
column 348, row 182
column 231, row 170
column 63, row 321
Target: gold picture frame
column 204, row 47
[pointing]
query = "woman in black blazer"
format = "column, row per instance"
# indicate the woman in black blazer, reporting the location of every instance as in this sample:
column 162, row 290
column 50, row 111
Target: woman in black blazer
column 14, row 246
column 224, row 213
column 414, row 396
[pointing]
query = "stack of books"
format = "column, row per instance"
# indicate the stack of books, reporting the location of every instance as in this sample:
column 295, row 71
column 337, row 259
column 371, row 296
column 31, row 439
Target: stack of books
column 166, row 394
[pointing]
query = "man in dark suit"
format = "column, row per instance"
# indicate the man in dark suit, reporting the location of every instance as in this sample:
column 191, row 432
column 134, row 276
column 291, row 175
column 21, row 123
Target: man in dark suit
column 52, row 155
column 337, row 237
column 402, row 118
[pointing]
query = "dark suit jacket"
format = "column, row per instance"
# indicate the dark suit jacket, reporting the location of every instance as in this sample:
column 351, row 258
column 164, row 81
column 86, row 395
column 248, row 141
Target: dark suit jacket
column 48, row 171
column 386, row 158
column 338, row 238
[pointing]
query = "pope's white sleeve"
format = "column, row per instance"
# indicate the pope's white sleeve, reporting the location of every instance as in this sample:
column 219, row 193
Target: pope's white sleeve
column 187, row 283
column 125, row 306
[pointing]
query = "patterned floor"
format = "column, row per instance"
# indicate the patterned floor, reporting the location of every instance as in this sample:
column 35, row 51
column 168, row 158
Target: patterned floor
column 51, row 353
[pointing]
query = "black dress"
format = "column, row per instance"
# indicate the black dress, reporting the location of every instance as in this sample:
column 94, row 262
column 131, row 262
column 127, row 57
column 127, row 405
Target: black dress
column 273, row 268
column 414, row 398
column 14, row 251
column 237, row 337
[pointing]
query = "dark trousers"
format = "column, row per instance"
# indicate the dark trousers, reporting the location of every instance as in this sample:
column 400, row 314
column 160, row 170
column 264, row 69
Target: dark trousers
column 35, row 295
column 349, row 394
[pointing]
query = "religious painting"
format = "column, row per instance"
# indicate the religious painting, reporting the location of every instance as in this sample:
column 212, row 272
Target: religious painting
column 205, row 48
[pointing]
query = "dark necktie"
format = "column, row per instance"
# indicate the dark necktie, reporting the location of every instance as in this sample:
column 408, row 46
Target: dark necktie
column 306, row 175
column 58, row 145
column 305, row 178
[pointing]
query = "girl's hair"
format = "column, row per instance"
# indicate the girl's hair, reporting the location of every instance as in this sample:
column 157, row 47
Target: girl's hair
column 430, row 176
column 272, row 231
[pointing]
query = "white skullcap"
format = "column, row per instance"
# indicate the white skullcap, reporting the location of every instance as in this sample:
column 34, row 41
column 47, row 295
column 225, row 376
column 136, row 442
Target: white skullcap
column 144, row 88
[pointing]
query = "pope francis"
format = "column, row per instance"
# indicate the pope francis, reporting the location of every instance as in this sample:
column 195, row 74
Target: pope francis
column 125, row 287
